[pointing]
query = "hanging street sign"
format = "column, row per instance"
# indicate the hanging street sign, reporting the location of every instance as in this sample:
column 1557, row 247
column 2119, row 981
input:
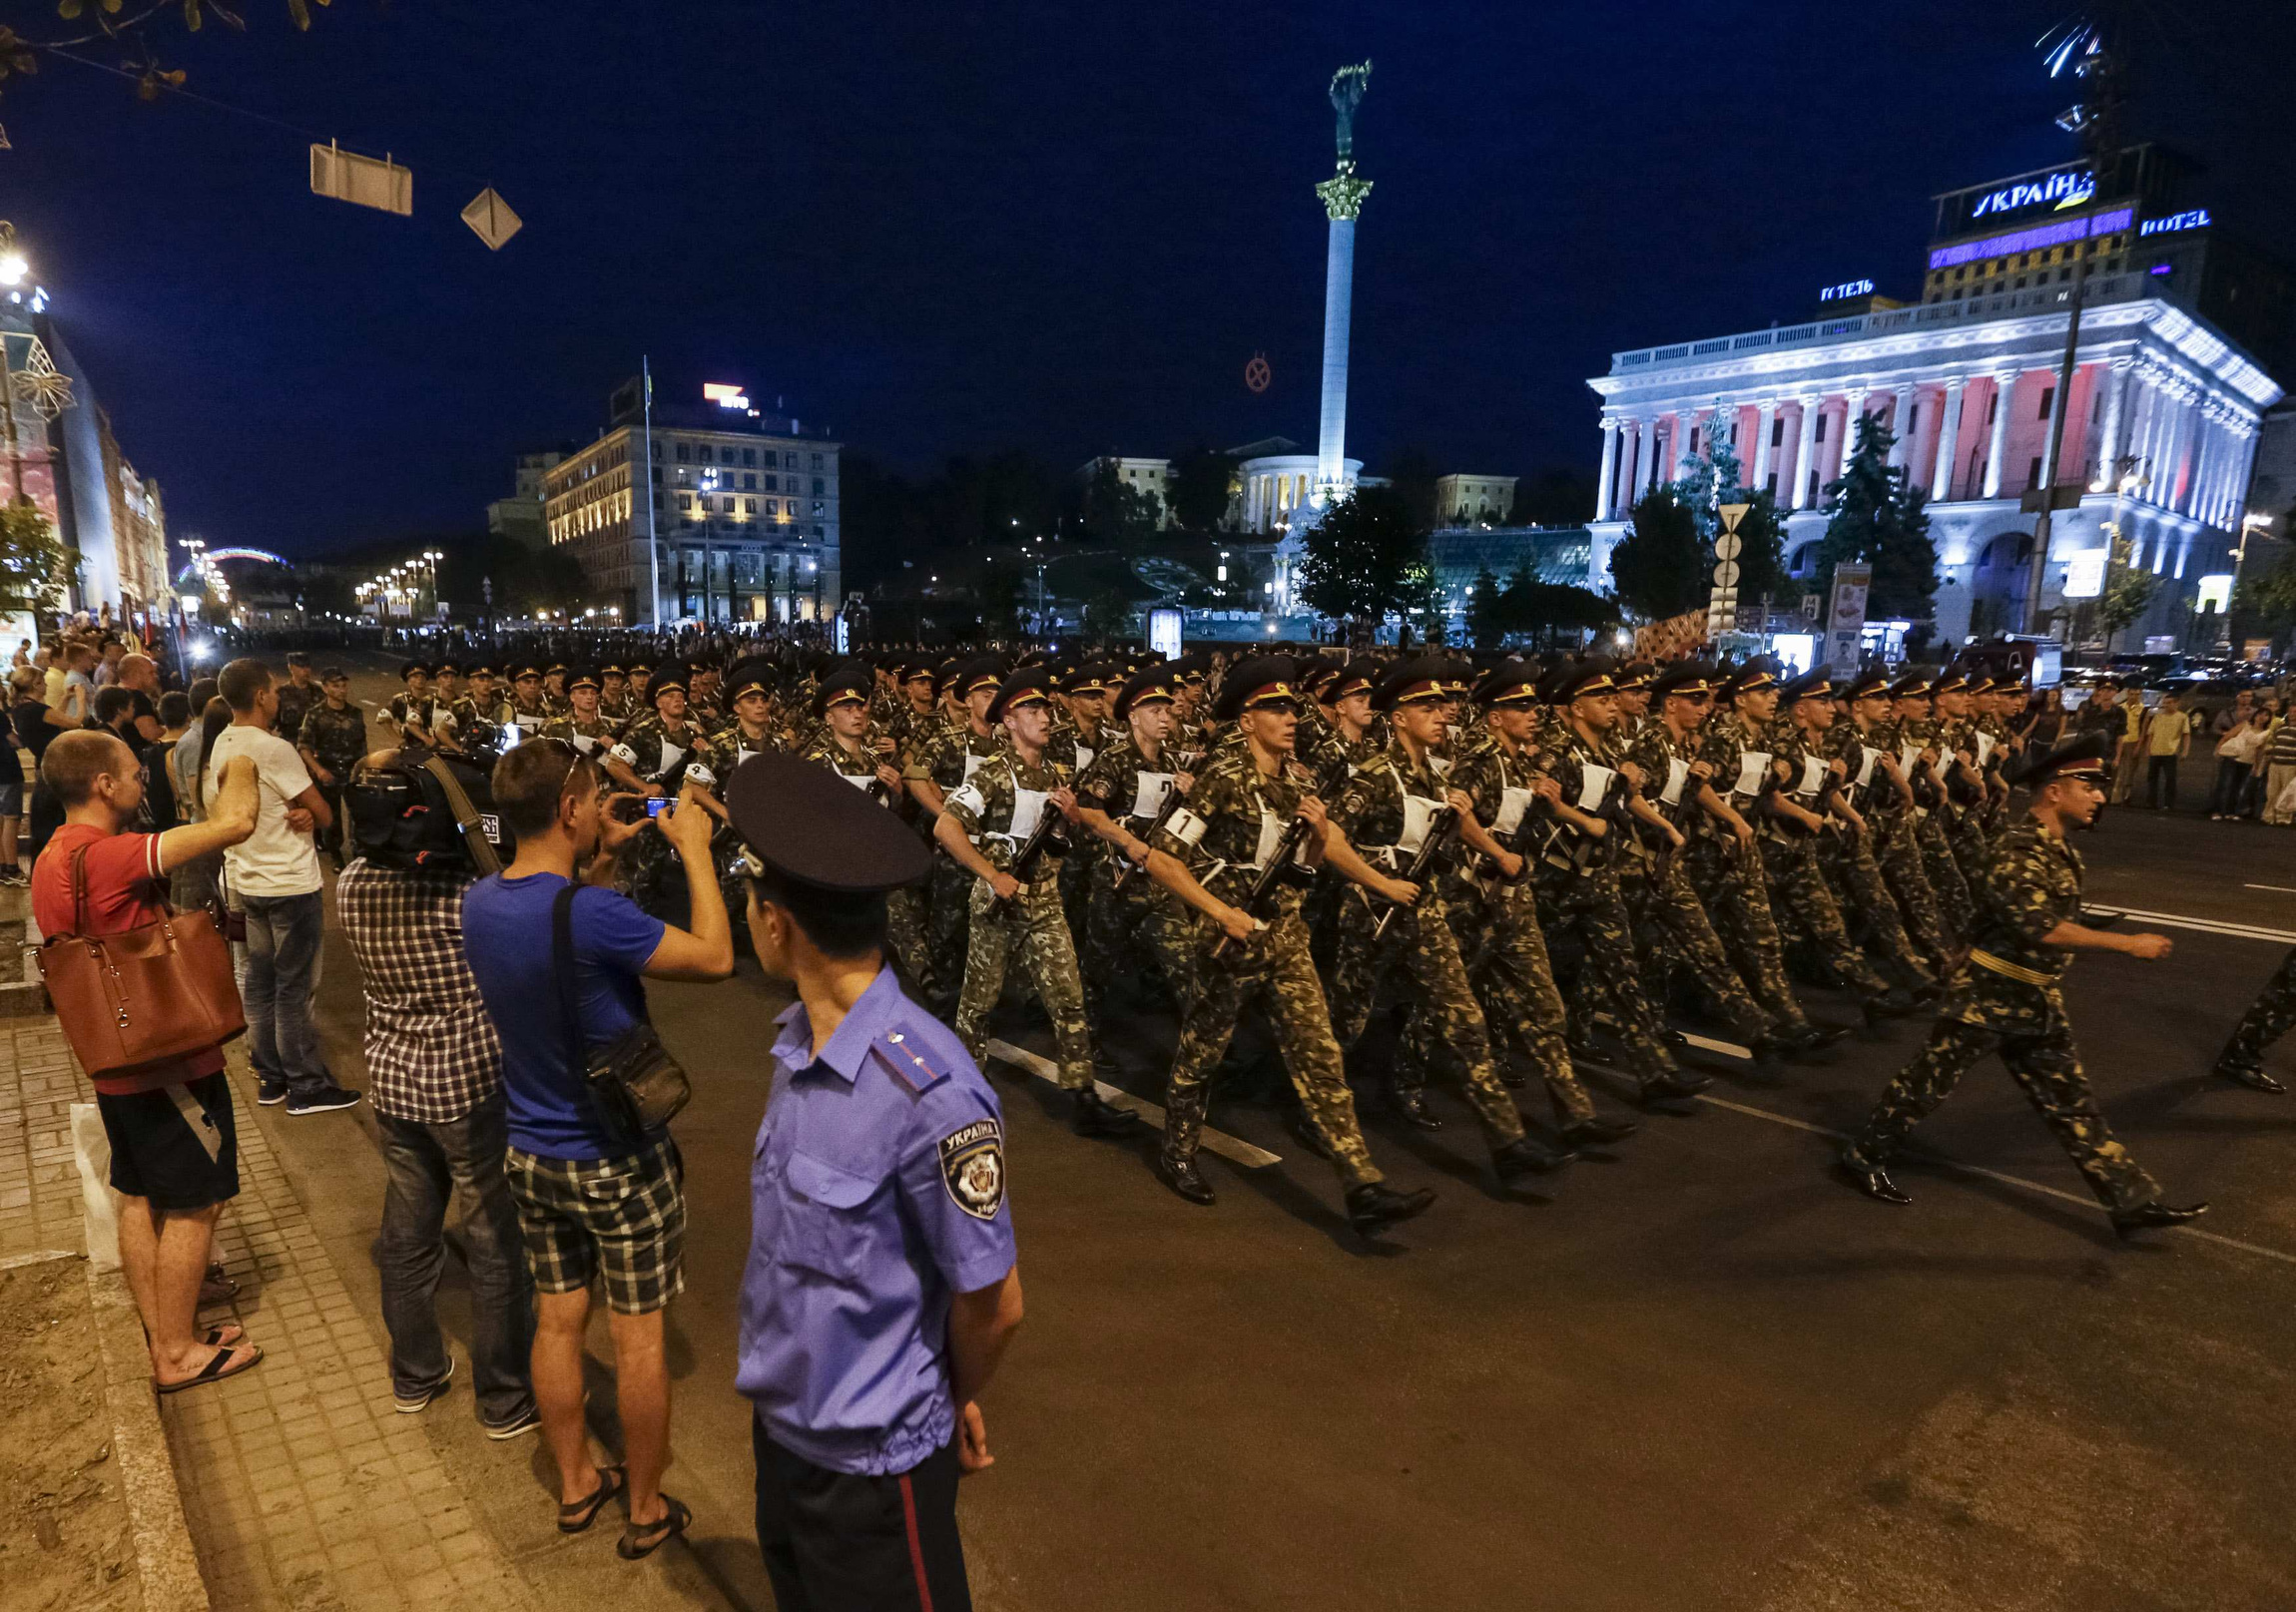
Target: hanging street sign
column 344, row 176
column 491, row 219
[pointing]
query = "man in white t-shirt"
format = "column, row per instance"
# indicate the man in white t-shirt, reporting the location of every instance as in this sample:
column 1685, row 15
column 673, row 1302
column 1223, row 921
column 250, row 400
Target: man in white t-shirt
column 274, row 878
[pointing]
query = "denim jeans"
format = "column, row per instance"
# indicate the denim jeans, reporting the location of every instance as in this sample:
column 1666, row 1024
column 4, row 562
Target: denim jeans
column 2161, row 771
column 431, row 1166
column 283, row 974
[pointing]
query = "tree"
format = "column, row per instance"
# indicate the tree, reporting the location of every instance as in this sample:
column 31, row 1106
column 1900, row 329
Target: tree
column 1488, row 616
column 1117, row 513
column 34, row 562
column 2265, row 600
column 1659, row 568
column 1876, row 516
column 1201, row 481
column 1716, row 477
column 1363, row 557
column 128, row 27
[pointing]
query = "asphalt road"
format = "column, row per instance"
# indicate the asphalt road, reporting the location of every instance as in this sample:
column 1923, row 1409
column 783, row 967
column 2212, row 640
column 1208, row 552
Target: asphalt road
column 1704, row 1375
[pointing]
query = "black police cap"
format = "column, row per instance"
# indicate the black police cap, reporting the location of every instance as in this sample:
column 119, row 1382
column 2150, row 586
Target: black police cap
column 2084, row 756
column 806, row 825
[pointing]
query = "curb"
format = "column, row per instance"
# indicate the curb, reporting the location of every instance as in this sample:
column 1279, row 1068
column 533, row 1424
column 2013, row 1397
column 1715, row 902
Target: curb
column 165, row 1563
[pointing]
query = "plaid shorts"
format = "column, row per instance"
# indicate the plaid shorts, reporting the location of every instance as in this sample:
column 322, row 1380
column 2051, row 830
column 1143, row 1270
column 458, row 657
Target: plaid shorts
column 623, row 1217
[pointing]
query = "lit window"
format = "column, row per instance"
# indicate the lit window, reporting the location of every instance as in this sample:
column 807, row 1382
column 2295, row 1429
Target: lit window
column 749, row 507
column 685, row 500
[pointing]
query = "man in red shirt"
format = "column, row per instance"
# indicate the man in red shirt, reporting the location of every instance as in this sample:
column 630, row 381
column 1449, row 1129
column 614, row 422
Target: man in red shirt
column 175, row 1154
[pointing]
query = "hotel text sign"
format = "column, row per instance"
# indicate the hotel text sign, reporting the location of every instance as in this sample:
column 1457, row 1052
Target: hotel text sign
column 1848, row 289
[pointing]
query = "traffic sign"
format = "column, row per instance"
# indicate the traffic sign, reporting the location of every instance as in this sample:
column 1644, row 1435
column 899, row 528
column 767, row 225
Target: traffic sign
column 1726, row 574
column 1728, row 546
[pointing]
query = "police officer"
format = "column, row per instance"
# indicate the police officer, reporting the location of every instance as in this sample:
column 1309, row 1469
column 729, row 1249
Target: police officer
column 881, row 1284
column 2007, row 999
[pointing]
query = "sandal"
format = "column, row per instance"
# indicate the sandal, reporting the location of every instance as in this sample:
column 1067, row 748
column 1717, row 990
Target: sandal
column 637, row 1540
column 228, row 1361
column 215, row 1288
column 216, row 1336
column 576, row 1517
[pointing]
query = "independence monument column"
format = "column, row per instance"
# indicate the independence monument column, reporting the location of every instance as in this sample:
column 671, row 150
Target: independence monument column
column 1342, row 195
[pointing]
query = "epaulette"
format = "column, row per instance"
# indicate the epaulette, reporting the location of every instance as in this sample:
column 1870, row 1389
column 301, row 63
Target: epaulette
column 908, row 1069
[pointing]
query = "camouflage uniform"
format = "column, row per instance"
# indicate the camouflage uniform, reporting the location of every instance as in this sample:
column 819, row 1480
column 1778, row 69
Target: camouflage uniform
column 1371, row 812
column 949, row 758
column 2265, row 1022
column 1845, row 858
column 589, row 737
column 1503, row 947
column 1119, row 923
column 905, row 907
column 294, row 704
column 1030, row 926
column 649, row 748
column 1218, row 835
column 1580, row 895
column 1894, row 829
column 1730, row 879
column 1965, row 816
column 1799, row 894
column 336, row 737
column 1931, row 832
column 2006, row 1000
column 1070, row 747
column 1672, row 931
column 426, row 713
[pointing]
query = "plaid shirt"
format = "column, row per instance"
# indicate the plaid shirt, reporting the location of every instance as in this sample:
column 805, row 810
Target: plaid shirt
column 432, row 1051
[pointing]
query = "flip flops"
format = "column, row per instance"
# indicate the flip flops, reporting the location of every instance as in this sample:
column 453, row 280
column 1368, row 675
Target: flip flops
column 227, row 1361
column 580, row 1514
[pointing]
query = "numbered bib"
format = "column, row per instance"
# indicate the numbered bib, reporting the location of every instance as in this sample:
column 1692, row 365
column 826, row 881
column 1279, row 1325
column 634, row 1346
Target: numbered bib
column 1872, row 759
column 1813, row 775
column 1593, row 784
column 1677, row 774
column 1418, row 816
column 1512, row 804
column 1149, row 793
column 1752, row 764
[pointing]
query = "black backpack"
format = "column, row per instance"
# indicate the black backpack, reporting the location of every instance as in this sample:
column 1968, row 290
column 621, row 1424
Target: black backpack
column 402, row 816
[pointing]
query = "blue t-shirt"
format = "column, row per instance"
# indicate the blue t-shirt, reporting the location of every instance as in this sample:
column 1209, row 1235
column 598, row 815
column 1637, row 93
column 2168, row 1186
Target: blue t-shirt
column 506, row 935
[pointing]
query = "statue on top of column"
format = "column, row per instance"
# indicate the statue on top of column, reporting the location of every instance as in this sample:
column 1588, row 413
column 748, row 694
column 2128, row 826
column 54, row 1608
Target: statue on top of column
column 1348, row 86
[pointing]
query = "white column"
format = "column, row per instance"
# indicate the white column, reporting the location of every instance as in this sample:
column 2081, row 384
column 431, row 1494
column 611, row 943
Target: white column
column 2142, row 434
column 1339, row 291
column 1900, row 413
column 1805, row 446
column 1948, row 441
column 2113, row 377
column 1633, row 458
column 1609, row 468
column 2203, row 500
column 1853, row 410
column 2004, row 387
column 1766, row 416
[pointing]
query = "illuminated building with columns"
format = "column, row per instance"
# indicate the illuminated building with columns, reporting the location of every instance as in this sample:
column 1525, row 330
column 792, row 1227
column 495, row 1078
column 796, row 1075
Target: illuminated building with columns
column 2160, row 425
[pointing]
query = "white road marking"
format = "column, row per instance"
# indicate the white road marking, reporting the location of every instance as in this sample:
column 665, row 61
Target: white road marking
column 1234, row 1149
column 1925, row 1156
column 1728, row 1048
column 2284, row 889
column 2235, row 931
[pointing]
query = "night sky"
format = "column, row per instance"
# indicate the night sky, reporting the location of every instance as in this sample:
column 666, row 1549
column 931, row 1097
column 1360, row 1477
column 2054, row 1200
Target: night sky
column 1065, row 229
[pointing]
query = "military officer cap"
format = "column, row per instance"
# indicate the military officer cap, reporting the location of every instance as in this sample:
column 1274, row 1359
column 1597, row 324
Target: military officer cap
column 753, row 676
column 1981, row 682
column 447, row 668
column 524, row 670
column 1414, row 683
column 639, row 671
column 916, row 668
column 670, row 677
column 1874, row 685
column 1511, row 684
column 582, row 679
column 1689, row 679
column 1031, row 684
column 1815, row 684
column 1193, row 666
column 333, row 673
column 413, row 669
column 612, row 669
column 849, row 684
column 1635, row 676
column 1264, row 680
column 556, row 668
column 804, row 824
column 1359, row 675
column 1950, row 682
column 1150, row 686
column 1315, row 676
column 481, row 669
column 2081, row 757
column 982, row 672
column 1752, row 678
column 1098, row 677
column 1912, row 685
column 1587, row 679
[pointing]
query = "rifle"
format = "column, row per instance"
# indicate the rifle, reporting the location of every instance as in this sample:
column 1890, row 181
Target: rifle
column 1033, row 848
column 1662, row 860
column 1279, row 865
column 1173, row 800
column 1443, row 823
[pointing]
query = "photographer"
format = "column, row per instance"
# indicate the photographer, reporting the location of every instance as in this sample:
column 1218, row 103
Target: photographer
column 592, row 1201
column 434, row 1075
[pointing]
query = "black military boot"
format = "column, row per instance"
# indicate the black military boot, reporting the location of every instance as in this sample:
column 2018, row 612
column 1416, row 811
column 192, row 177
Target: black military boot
column 1094, row 1115
column 1895, row 1003
column 1598, row 1133
column 2154, row 1216
column 2244, row 1072
column 1870, row 1178
column 1526, row 1157
column 1811, row 1037
column 1674, row 1086
column 1375, row 1206
column 1182, row 1176
column 1309, row 1138
column 1410, row 1105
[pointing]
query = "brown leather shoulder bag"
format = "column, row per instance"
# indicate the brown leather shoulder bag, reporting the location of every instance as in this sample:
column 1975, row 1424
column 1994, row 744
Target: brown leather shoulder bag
column 144, row 995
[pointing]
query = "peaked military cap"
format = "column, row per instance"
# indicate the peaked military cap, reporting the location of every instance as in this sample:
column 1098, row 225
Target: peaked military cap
column 1686, row 678
column 524, row 670
column 1950, row 682
column 1511, row 682
column 1031, row 684
column 1635, row 676
column 1815, row 684
column 982, row 672
column 670, row 677
column 1193, row 666
column 1096, row 677
column 481, row 669
column 851, row 685
column 753, row 676
column 1415, row 682
column 1873, row 685
column 413, row 669
column 1151, row 685
column 447, row 668
column 583, row 678
column 612, row 669
column 806, row 825
column 2081, row 757
column 1912, row 685
column 1591, row 677
column 1263, row 680
column 1752, row 678
column 1359, row 675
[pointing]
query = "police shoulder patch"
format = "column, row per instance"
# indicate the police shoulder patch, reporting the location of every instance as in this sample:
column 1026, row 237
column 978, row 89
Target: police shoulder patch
column 972, row 1168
